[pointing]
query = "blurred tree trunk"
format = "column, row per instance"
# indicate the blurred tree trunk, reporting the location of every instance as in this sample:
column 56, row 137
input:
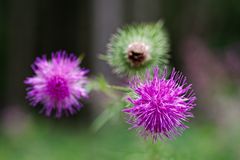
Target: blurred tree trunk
column 63, row 26
column 107, row 17
column 20, row 46
column 142, row 11
column 2, row 51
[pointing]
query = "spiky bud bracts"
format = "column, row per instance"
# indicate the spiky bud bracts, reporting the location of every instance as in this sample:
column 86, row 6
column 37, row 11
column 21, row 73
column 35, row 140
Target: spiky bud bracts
column 135, row 48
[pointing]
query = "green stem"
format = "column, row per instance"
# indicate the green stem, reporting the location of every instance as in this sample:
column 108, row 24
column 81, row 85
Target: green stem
column 154, row 150
column 119, row 88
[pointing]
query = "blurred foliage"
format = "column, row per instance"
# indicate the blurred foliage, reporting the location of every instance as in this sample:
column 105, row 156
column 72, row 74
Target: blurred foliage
column 44, row 141
column 114, row 104
column 112, row 112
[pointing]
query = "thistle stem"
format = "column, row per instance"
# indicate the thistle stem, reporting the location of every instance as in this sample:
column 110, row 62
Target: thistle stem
column 119, row 88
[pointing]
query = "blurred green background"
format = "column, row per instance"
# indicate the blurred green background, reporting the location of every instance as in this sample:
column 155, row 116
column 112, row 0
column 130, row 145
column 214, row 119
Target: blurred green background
column 204, row 37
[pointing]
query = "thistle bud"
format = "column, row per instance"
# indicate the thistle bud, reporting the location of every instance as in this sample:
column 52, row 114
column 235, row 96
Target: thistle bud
column 137, row 47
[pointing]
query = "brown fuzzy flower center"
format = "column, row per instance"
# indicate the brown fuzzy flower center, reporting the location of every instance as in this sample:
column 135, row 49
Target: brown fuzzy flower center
column 138, row 53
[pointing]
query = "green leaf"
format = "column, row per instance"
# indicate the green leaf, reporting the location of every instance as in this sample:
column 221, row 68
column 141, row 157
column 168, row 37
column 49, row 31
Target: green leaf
column 81, row 57
column 112, row 112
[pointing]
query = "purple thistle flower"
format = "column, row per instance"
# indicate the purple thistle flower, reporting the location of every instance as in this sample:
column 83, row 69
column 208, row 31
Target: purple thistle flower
column 160, row 105
column 57, row 84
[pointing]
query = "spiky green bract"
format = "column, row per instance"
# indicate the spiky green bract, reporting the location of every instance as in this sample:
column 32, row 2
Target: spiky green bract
column 151, row 35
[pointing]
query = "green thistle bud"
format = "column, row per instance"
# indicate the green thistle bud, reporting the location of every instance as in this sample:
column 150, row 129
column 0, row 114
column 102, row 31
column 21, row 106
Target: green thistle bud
column 135, row 48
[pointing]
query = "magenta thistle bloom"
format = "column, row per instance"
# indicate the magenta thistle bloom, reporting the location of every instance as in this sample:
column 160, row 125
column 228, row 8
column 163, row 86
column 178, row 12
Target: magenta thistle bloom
column 160, row 105
column 58, row 84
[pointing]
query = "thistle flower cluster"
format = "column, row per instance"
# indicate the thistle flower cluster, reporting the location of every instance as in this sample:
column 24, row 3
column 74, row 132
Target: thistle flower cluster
column 160, row 105
column 137, row 47
column 58, row 84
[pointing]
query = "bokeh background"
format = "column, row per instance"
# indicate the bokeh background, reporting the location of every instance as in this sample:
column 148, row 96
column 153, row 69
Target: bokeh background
column 205, row 45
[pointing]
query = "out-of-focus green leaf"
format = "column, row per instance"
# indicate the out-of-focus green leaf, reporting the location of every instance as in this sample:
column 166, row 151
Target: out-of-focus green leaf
column 103, row 57
column 81, row 57
column 101, row 84
column 112, row 112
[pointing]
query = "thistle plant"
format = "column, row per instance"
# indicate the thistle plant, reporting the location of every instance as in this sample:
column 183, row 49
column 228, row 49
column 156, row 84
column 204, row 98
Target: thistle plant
column 135, row 48
column 58, row 84
column 156, row 105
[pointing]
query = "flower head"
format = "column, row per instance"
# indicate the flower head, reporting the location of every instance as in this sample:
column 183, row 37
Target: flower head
column 137, row 47
column 160, row 105
column 58, row 84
